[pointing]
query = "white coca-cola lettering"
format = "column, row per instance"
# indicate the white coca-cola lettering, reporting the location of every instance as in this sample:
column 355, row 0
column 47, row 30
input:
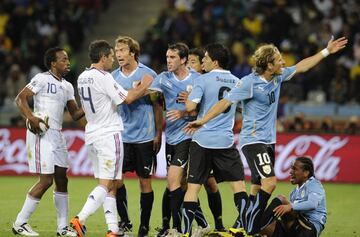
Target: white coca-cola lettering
column 79, row 162
column 325, row 163
column 12, row 154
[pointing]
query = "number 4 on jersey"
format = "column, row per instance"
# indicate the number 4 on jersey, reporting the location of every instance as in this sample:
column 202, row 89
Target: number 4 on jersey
column 87, row 98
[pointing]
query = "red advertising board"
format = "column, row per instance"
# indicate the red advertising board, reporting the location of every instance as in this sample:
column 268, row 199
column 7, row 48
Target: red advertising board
column 335, row 157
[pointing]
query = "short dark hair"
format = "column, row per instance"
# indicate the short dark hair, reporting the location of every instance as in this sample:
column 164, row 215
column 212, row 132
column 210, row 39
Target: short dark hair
column 99, row 48
column 307, row 164
column 50, row 56
column 219, row 53
column 200, row 52
column 182, row 48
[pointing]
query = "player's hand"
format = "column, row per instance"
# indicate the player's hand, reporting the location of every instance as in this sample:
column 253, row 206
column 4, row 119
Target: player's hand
column 282, row 209
column 335, row 45
column 182, row 97
column 192, row 127
column 157, row 144
column 175, row 114
column 35, row 124
column 147, row 80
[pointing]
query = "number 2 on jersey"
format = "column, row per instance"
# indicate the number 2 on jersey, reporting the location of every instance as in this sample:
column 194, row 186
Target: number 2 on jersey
column 87, row 98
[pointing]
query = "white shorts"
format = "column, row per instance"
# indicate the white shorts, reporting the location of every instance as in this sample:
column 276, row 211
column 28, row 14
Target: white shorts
column 107, row 156
column 44, row 152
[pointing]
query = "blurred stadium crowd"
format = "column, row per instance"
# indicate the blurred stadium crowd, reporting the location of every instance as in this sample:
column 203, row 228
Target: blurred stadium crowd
column 298, row 28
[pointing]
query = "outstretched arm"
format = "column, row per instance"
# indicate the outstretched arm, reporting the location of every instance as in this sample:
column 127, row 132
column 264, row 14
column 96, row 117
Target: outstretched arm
column 140, row 90
column 332, row 47
column 217, row 109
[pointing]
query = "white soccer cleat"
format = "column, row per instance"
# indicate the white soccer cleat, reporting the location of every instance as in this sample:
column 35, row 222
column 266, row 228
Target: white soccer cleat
column 24, row 229
column 67, row 231
column 173, row 233
column 201, row 231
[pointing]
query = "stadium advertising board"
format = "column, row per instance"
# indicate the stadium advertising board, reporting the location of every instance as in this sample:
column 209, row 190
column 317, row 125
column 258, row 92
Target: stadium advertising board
column 335, row 156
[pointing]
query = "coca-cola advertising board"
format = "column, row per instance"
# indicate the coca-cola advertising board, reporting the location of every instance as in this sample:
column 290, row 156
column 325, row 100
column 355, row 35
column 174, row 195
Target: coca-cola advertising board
column 336, row 157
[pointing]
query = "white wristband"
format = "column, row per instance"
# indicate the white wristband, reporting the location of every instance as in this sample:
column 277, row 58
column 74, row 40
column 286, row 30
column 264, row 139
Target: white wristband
column 325, row 52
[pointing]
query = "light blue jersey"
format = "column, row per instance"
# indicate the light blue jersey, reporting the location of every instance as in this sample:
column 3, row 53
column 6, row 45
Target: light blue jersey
column 138, row 117
column 208, row 90
column 309, row 200
column 170, row 86
column 259, row 99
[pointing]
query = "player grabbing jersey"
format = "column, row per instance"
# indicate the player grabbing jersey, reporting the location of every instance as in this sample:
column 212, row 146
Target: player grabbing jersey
column 100, row 95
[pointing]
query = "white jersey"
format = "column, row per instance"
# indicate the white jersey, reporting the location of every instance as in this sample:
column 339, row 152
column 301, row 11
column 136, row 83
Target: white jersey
column 100, row 95
column 51, row 96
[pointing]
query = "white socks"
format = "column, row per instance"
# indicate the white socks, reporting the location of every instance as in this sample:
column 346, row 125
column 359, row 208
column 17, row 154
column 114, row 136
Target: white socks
column 28, row 208
column 95, row 200
column 61, row 201
column 110, row 213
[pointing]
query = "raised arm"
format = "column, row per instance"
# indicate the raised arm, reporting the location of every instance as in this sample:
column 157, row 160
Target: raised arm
column 332, row 47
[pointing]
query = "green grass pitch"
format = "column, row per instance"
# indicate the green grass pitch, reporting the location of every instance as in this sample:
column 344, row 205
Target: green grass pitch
column 342, row 204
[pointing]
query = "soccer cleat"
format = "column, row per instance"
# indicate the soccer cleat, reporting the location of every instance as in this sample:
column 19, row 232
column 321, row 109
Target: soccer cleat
column 126, row 226
column 173, row 233
column 24, row 229
column 78, row 227
column 201, row 231
column 67, row 231
column 143, row 231
column 237, row 232
column 162, row 232
column 112, row 234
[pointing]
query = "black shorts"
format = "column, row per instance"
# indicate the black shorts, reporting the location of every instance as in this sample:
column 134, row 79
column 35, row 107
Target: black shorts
column 178, row 154
column 261, row 160
column 225, row 163
column 301, row 228
column 140, row 158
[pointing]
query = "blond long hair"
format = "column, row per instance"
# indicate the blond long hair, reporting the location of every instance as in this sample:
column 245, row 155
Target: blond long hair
column 264, row 55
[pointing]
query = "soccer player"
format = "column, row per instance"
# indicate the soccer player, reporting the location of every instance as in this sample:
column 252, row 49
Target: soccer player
column 212, row 146
column 212, row 190
column 305, row 214
column 195, row 59
column 142, row 133
column 47, row 154
column 100, row 95
column 172, row 83
column 259, row 94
